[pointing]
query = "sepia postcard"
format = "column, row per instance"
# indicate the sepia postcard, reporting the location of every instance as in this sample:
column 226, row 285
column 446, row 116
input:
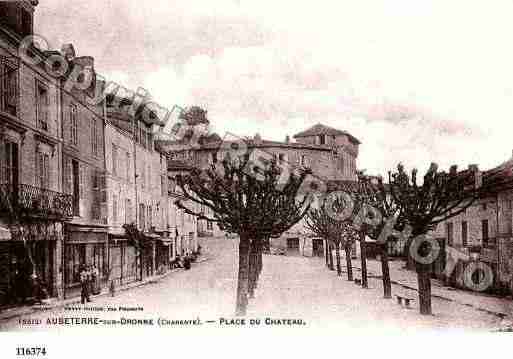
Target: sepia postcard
column 207, row 169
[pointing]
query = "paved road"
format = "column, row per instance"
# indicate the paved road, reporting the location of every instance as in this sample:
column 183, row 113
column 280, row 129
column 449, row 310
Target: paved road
column 290, row 288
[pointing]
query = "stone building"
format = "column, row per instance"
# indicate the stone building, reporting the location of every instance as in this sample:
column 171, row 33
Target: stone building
column 483, row 232
column 83, row 173
column 182, row 226
column 136, row 191
column 330, row 153
column 33, row 206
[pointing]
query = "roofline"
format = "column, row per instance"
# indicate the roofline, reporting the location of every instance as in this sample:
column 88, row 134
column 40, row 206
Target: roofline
column 303, row 146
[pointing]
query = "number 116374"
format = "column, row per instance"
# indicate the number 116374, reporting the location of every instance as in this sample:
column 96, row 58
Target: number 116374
column 30, row 351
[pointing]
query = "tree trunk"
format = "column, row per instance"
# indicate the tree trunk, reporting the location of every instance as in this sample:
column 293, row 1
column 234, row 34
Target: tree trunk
column 242, row 281
column 385, row 271
column 259, row 262
column 331, row 256
column 339, row 268
column 363, row 255
column 349, row 264
column 424, row 281
column 423, row 275
column 253, row 268
column 327, row 251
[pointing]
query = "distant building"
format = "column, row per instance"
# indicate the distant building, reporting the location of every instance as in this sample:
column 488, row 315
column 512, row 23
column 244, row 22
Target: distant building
column 330, row 153
column 483, row 232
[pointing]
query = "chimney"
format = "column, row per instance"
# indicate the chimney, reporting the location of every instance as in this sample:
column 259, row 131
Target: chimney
column 68, row 51
column 478, row 175
column 287, row 139
column 257, row 138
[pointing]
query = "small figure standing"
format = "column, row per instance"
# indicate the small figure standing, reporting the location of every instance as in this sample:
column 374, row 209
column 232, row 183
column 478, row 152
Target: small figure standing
column 95, row 274
column 36, row 289
column 84, row 282
column 187, row 262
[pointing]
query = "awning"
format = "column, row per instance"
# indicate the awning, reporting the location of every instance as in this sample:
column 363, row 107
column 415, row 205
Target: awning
column 5, row 234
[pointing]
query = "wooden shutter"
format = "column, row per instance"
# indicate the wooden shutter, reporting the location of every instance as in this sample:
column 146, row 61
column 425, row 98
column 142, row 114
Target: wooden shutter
column 3, row 164
column 9, row 84
column 67, row 176
column 46, row 171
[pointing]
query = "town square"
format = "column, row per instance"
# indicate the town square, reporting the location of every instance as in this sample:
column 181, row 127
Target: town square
column 227, row 170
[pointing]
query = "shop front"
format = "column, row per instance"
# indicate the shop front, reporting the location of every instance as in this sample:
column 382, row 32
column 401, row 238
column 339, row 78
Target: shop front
column 28, row 263
column 148, row 251
column 84, row 246
column 124, row 261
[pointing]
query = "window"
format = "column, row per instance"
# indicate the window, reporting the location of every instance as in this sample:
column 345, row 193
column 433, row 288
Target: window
column 114, row 160
column 484, row 206
column 143, row 177
column 209, row 225
column 303, row 160
column 464, row 233
column 163, row 185
column 9, row 87
column 142, row 216
column 114, row 208
column 83, row 172
column 26, row 23
column 73, row 124
column 214, row 157
column 322, row 139
column 94, row 136
column 281, row 158
column 9, row 170
column 128, row 211
column 127, row 166
column 484, row 230
column 76, row 187
column 450, row 233
column 43, row 170
column 42, row 103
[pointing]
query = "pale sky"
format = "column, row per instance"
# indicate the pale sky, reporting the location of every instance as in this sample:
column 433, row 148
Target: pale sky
column 415, row 81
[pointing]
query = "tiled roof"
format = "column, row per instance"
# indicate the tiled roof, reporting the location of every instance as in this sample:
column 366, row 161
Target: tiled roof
column 321, row 129
column 252, row 143
column 499, row 178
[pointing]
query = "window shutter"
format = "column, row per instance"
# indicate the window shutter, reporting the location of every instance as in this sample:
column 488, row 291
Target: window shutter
column 11, row 86
column 5, row 83
column 47, row 171
column 67, row 176
column 3, row 164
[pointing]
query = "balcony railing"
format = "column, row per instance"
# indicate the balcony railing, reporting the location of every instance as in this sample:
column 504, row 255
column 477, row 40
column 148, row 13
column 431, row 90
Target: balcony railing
column 29, row 201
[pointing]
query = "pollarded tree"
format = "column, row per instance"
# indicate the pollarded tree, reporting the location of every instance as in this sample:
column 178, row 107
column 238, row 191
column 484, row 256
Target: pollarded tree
column 257, row 203
column 194, row 115
column 323, row 223
column 375, row 195
column 441, row 196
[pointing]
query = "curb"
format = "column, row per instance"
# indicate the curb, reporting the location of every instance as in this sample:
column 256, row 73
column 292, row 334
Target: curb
column 499, row 315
